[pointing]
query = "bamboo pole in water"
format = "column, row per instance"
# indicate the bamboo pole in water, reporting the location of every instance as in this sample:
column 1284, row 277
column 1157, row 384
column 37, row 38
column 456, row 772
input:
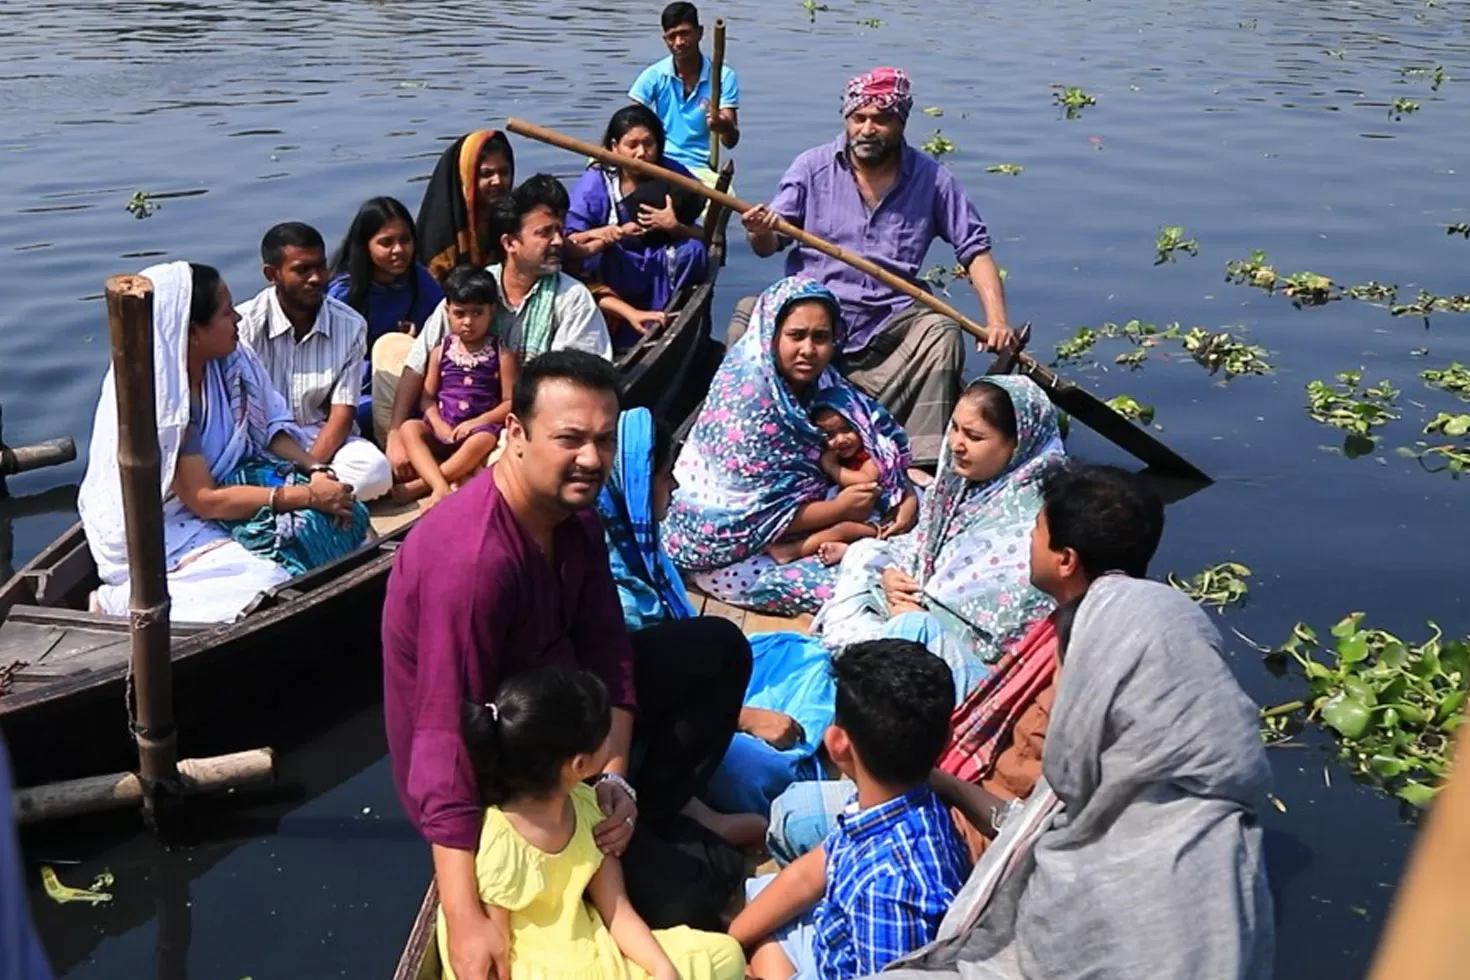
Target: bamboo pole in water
column 1427, row 938
column 130, row 320
column 716, row 77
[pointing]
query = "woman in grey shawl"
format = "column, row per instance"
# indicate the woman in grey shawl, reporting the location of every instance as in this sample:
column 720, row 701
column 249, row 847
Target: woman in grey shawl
column 1149, row 863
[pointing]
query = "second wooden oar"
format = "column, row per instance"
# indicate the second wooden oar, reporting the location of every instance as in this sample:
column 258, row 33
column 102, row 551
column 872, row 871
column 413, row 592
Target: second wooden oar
column 1073, row 399
column 716, row 82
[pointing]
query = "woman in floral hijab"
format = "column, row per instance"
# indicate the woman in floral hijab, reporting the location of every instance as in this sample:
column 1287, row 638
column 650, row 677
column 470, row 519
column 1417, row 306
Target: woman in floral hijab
column 966, row 564
column 749, row 473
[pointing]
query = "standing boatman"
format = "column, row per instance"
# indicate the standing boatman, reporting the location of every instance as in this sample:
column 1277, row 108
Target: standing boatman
column 678, row 89
column 872, row 193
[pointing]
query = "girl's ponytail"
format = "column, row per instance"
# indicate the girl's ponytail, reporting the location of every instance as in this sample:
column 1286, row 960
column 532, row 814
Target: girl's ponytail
column 481, row 726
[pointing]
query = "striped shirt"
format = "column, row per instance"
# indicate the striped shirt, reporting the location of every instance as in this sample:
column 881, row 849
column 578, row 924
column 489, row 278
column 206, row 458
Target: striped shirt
column 892, row 872
column 320, row 370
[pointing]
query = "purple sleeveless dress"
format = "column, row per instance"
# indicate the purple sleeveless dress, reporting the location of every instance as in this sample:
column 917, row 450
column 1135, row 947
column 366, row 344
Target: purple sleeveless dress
column 469, row 382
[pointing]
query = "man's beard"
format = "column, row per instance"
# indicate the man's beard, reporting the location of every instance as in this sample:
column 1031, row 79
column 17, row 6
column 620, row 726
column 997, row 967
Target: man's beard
column 876, row 149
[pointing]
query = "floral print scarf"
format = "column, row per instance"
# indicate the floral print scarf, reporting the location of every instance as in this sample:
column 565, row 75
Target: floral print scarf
column 970, row 552
column 752, row 457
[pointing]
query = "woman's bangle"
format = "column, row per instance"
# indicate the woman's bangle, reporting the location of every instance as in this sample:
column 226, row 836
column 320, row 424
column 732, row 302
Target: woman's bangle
column 620, row 783
column 271, row 503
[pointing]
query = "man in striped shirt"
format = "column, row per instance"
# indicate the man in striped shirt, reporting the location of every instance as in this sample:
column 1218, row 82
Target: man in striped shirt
column 313, row 347
column 881, row 883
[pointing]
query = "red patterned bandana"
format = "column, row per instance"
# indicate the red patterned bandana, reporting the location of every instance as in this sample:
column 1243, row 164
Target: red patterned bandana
column 886, row 88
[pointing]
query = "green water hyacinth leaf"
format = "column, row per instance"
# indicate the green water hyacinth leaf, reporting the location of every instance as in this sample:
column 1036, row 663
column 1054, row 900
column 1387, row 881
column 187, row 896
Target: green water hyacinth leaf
column 1417, row 794
column 1130, row 409
column 1450, row 425
column 1009, row 169
column 1349, row 716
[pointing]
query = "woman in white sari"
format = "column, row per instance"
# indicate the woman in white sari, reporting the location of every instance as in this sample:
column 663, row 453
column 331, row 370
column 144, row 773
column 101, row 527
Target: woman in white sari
column 216, row 410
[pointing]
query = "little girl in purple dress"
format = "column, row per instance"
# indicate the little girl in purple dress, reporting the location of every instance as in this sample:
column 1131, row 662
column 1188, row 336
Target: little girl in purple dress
column 466, row 390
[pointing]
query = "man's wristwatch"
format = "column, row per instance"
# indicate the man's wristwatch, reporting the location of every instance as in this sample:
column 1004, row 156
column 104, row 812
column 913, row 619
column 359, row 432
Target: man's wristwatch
column 620, row 783
column 316, row 468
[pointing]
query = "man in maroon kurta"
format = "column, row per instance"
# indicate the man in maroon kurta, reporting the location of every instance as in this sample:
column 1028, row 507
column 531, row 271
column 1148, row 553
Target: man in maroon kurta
column 472, row 579
column 511, row 572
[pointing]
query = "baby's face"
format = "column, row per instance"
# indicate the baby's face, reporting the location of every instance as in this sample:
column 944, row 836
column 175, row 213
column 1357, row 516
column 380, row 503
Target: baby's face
column 841, row 439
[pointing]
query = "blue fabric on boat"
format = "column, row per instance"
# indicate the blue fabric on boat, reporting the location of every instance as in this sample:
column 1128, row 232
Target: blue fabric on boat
column 803, row 816
column 790, row 673
column 298, row 540
column 649, row 587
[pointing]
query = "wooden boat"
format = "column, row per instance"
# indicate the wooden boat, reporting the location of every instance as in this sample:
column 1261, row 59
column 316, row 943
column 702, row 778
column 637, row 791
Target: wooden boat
column 64, row 670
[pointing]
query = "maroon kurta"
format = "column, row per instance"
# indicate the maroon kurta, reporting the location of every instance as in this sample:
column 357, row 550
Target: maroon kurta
column 471, row 600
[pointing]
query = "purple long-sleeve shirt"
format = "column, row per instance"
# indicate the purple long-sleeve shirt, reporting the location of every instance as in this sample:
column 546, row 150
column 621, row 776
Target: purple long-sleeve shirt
column 471, row 600
column 820, row 194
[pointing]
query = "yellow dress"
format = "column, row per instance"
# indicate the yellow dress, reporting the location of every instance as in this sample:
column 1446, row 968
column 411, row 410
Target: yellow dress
column 555, row 931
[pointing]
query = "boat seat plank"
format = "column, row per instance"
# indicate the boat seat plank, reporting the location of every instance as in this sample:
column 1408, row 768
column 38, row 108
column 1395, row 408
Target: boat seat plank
column 95, row 622
column 53, row 651
column 387, row 517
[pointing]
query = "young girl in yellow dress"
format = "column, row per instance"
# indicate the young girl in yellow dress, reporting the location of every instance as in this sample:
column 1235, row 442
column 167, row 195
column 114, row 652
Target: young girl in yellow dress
column 533, row 749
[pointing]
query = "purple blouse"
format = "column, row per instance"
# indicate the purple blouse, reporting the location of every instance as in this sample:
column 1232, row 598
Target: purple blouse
column 471, row 600
column 820, row 195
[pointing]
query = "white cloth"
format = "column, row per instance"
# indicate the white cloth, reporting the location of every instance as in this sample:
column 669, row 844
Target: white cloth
column 212, row 586
column 577, row 324
column 323, row 368
column 359, row 464
column 100, row 501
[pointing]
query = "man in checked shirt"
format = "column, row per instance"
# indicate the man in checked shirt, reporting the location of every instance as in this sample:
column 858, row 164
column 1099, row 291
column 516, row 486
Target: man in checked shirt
column 313, row 347
column 880, row 884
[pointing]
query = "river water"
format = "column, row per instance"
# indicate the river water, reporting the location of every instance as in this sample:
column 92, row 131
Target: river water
column 1257, row 124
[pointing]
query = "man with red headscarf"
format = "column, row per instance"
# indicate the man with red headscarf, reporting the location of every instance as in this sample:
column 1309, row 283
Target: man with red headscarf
column 871, row 193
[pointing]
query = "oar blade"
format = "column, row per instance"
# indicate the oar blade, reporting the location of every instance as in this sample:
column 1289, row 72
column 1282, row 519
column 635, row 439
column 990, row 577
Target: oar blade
column 1103, row 419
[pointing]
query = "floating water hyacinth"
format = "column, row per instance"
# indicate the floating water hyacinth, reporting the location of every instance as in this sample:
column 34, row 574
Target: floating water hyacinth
column 938, row 145
column 1131, row 409
column 1009, row 169
column 1170, row 240
column 1393, row 707
column 1402, row 107
column 1454, row 379
column 1219, row 585
column 1072, row 100
column 142, row 205
column 1353, row 408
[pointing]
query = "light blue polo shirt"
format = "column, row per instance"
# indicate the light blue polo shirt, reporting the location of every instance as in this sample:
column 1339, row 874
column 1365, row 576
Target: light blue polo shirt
column 686, row 121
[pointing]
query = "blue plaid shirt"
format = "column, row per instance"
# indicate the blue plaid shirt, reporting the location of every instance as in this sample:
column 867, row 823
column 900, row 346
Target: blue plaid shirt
column 892, row 872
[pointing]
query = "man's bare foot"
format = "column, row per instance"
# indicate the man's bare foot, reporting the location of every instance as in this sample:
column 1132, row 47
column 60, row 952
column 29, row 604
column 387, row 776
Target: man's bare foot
column 742, row 830
column 785, row 552
column 407, row 493
column 831, row 552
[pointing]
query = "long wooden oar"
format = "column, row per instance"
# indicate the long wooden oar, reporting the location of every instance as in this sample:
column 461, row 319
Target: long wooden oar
column 1078, row 402
column 716, row 77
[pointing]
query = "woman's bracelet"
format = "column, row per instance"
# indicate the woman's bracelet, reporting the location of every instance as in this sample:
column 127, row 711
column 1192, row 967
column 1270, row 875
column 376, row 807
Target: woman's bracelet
column 620, row 783
column 271, row 503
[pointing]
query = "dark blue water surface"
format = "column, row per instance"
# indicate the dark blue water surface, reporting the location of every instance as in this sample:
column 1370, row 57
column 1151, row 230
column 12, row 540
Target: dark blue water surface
column 1261, row 124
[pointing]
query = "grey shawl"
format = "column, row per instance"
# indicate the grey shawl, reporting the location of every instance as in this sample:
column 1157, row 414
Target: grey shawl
column 1151, row 864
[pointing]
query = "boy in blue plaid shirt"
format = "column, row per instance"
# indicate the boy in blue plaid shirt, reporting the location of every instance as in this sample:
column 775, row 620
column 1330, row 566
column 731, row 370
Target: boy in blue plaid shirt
column 882, row 881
